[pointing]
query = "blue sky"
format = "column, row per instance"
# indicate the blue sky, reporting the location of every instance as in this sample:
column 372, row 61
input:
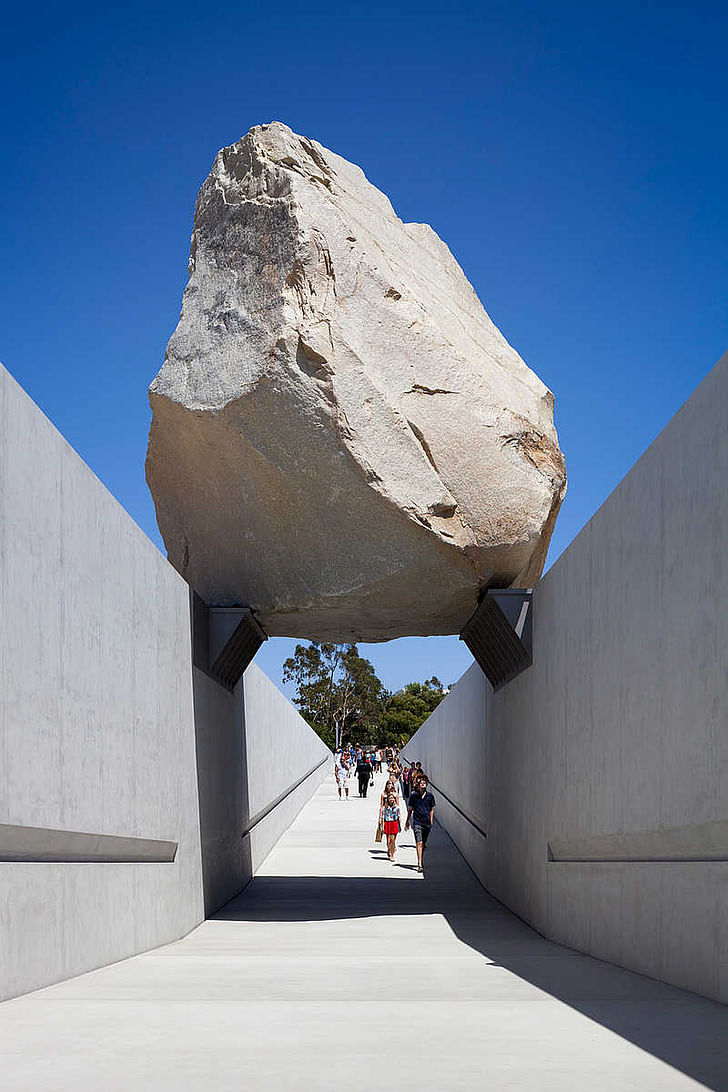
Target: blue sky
column 573, row 156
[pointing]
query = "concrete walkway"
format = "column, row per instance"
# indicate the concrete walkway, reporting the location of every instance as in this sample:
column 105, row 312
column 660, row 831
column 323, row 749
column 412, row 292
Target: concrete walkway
column 338, row 970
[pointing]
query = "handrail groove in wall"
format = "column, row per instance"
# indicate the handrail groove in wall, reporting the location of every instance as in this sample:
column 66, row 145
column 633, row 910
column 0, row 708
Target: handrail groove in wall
column 260, row 815
column 46, row 845
column 473, row 822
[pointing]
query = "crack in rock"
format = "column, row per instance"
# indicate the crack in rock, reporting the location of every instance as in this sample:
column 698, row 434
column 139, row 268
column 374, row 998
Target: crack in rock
column 419, row 388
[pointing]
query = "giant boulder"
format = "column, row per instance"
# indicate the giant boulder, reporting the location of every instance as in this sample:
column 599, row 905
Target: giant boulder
column 341, row 437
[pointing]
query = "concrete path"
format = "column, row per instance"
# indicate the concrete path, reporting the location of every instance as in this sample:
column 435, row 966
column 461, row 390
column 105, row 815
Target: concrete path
column 338, row 970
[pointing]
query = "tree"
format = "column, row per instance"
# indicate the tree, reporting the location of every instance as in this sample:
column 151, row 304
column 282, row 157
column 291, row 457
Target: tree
column 337, row 691
column 339, row 694
column 410, row 707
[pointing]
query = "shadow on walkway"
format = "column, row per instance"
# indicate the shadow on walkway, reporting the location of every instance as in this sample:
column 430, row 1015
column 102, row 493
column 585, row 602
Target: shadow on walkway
column 682, row 1029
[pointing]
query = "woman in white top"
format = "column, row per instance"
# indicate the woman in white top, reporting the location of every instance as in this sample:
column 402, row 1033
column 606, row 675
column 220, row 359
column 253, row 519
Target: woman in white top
column 341, row 770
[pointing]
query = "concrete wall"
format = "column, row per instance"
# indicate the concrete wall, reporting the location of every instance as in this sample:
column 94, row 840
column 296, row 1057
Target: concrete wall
column 96, row 715
column 613, row 746
column 222, row 786
column 280, row 749
column 252, row 747
column 102, row 726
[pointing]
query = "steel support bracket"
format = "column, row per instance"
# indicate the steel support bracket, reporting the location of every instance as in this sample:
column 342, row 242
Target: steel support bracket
column 500, row 634
column 225, row 640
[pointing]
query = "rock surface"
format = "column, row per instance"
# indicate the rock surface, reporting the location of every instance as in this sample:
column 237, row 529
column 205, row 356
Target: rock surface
column 341, row 437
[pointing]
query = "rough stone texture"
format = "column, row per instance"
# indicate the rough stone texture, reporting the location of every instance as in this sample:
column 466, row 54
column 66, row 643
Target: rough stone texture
column 341, row 437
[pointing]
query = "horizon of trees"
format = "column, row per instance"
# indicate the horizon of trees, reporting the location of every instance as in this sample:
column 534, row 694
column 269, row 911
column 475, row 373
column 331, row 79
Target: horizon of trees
column 339, row 694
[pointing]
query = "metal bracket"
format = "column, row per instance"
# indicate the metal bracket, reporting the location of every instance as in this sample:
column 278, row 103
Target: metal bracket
column 500, row 634
column 225, row 640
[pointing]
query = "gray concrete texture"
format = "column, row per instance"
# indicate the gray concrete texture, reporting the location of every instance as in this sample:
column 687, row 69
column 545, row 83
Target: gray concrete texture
column 252, row 746
column 98, row 732
column 280, row 747
column 616, row 739
column 336, row 970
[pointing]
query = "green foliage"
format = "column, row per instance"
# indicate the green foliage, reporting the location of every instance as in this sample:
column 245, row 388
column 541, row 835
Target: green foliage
column 337, row 691
column 339, row 694
column 327, row 735
column 406, row 710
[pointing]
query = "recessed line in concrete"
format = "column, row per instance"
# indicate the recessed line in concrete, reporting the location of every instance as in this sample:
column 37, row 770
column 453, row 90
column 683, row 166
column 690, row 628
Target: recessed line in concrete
column 43, row 845
column 635, row 860
column 260, row 815
column 698, row 843
column 473, row 822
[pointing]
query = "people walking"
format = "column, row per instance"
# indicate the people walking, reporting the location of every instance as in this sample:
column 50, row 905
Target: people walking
column 391, row 785
column 390, row 823
column 341, row 772
column 363, row 773
column 372, row 767
column 421, row 812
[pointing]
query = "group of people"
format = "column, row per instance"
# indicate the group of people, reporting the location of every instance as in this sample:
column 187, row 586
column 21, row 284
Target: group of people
column 408, row 783
column 362, row 763
column 409, row 776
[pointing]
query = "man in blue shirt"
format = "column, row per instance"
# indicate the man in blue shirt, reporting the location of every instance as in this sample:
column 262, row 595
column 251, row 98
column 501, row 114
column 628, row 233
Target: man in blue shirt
column 421, row 813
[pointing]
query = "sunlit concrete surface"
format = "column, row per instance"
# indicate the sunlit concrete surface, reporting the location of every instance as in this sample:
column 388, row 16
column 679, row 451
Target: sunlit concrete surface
column 616, row 736
column 338, row 970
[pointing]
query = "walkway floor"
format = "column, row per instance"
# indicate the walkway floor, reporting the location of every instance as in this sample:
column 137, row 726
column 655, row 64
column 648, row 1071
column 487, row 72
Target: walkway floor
column 338, row 970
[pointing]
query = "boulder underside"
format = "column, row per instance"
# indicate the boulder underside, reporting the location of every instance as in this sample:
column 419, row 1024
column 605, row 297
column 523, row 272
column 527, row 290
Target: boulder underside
column 341, row 438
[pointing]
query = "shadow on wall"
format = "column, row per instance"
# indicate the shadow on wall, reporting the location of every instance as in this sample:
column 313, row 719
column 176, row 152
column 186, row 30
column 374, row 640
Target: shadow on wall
column 223, row 794
column 682, row 1029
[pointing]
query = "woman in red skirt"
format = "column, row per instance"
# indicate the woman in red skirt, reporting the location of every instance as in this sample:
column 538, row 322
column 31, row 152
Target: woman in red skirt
column 390, row 823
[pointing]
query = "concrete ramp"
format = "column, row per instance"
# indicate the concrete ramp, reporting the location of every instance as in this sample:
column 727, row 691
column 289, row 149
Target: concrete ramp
column 338, row 970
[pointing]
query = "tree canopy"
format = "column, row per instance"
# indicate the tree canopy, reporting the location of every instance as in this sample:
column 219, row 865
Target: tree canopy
column 406, row 710
column 339, row 694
